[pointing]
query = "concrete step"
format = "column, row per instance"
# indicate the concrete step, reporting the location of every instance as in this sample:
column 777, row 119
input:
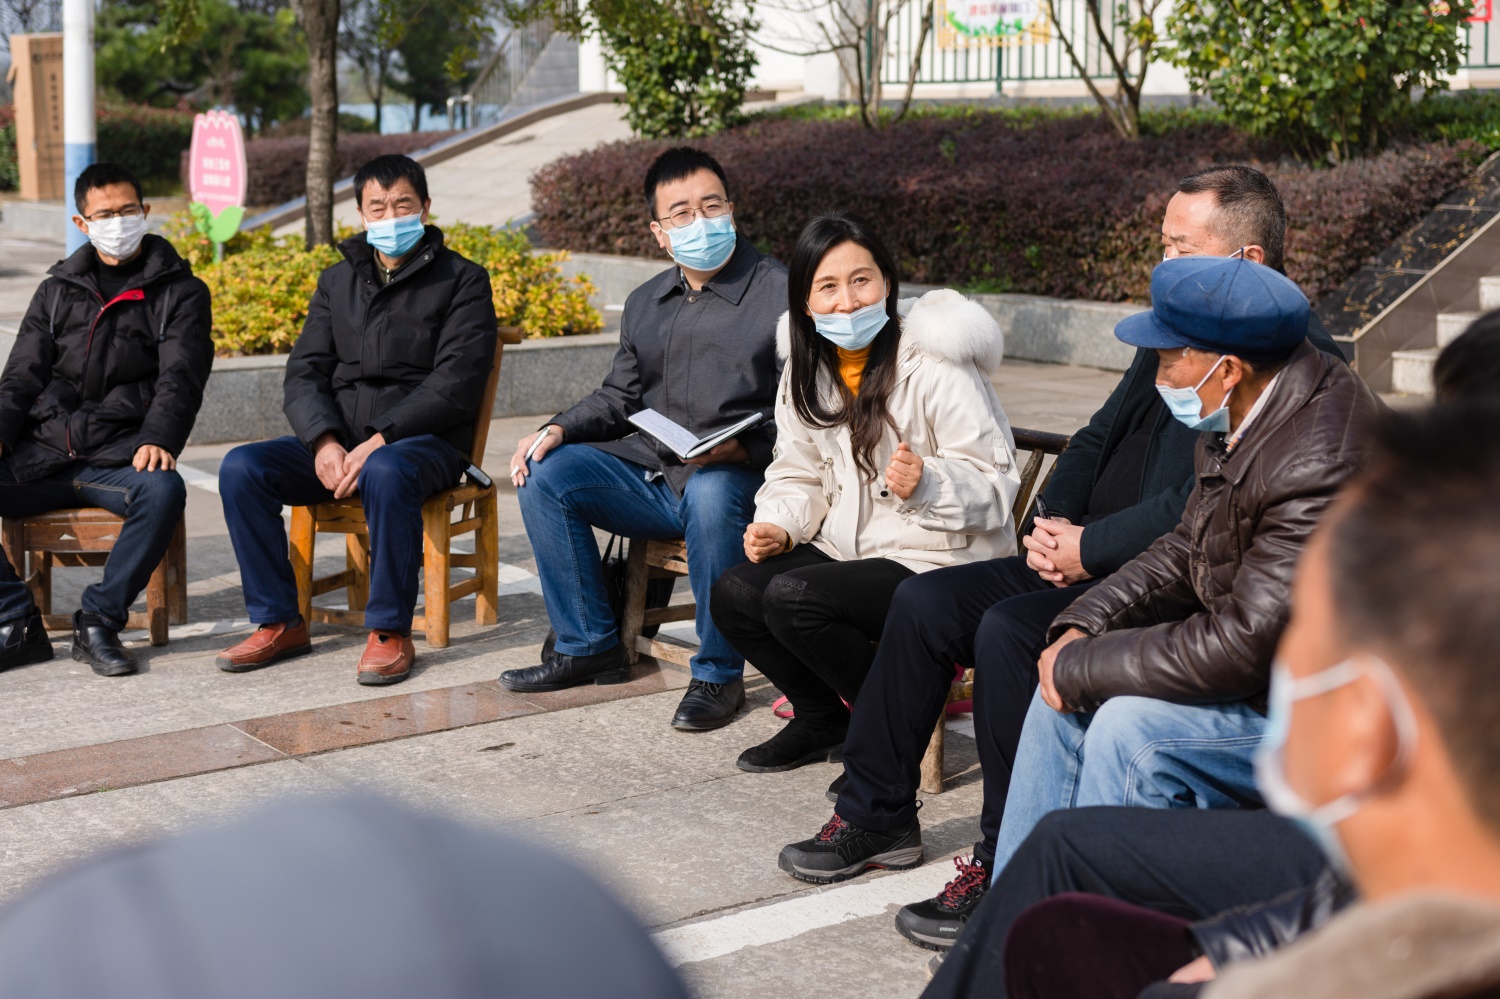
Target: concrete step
column 1411, row 371
column 1489, row 293
column 1451, row 324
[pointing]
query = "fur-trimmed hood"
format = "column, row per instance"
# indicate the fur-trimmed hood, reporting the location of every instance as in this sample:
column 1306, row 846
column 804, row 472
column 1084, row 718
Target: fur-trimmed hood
column 942, row 324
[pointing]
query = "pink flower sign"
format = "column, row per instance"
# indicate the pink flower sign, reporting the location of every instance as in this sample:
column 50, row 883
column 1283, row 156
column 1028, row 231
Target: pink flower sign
column 216, row 168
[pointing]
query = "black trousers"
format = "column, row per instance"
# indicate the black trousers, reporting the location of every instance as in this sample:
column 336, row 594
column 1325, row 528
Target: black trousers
column 1190, row 863
column 809, row 623
column 990, row 615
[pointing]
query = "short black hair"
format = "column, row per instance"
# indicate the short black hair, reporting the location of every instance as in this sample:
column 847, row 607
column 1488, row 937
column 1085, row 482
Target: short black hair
column 1249, row 207
column 385, row 171
column 1403, row 589
column 98, row 175
column 675, row 164
column 1469, row 367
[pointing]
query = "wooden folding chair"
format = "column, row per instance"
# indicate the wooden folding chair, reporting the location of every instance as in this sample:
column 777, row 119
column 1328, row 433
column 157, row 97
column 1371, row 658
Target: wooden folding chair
column 1040, row 444
column 38, row 544
column 477, row 515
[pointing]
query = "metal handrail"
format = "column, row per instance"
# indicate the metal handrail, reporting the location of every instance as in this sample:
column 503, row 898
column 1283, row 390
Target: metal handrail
column 501, row 78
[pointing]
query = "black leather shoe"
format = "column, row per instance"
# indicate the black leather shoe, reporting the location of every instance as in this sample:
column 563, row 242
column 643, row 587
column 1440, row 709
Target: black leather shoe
column 709, row 705
column 23, row 641
column 797, row 744
column 837, row 787
column 559, row 672
column 97, row 644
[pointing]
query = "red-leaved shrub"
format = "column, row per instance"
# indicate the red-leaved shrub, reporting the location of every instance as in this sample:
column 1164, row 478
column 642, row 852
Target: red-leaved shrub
column 278, row 167
column 1063, row 207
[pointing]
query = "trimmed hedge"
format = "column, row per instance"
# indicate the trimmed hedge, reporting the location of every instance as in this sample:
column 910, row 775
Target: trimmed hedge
column 150, row 141
column 1053, row 206
column 278, row 167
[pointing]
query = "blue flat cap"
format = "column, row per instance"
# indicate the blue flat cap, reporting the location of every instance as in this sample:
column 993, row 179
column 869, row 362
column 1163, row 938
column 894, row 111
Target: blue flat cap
column 1227, row 306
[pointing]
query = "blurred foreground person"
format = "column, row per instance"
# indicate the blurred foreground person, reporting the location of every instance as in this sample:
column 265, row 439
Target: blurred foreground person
column 350, row 897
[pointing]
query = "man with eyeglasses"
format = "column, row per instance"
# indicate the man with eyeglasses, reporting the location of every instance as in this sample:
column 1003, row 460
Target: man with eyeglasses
column 697, row 345
column 381, row 391
column 96, row 402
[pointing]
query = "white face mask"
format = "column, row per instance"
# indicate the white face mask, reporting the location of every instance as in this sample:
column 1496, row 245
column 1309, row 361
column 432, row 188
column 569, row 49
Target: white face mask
column 118, row 237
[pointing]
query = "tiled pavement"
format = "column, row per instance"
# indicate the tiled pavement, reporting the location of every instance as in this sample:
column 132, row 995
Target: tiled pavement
column 663, row 817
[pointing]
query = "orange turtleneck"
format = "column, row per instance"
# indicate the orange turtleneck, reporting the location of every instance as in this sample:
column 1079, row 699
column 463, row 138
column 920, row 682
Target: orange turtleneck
column 852, row 367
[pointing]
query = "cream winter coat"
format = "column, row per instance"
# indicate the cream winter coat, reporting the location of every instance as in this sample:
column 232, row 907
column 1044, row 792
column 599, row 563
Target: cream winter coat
column 947, row 411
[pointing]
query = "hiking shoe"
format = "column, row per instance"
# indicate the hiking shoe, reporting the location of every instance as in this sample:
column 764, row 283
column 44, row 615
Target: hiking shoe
column 937, row 922
column 841, row 851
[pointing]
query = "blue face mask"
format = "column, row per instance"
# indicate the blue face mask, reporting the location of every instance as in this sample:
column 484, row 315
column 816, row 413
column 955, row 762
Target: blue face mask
column 1185, row 405
column 853, row 330
column 705, row 244
column 394, row 237
column 1320, row 821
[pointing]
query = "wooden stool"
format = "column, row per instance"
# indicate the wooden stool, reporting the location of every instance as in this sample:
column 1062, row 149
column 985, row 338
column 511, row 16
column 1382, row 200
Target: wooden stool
column 37, row 544
column 477, row 516
column 646, row 560
column 1040, row 444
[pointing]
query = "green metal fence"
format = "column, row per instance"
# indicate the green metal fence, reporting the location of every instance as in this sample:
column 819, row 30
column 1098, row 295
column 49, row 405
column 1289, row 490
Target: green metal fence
column 996, row 64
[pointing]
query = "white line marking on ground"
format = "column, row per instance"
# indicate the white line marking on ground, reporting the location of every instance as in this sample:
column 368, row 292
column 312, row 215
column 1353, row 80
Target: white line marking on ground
column 784, row 920
column 199, row 478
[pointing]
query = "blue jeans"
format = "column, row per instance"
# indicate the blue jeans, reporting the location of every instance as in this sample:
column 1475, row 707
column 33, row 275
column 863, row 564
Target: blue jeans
column 577, row 487
column 151, row 503
column 256, row 480
column 1132, row 751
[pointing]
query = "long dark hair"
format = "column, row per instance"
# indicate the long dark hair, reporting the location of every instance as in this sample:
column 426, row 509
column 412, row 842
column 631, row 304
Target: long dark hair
column 866, row 414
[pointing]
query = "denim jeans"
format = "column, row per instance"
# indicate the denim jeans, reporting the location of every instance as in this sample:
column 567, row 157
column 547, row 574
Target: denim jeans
column 151, row 503
column 1132, row 751
column 256, row 480
column 576, row 488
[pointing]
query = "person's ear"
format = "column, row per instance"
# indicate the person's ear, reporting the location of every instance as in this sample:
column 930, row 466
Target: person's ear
column 83, row 226
column 426, row 208
column 145, row 209
column 1231, row 372
column 1366, row 739
column 661, row 238
column 1255, row 253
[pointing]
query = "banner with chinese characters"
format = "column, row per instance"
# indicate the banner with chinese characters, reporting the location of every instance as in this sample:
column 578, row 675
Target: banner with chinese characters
column 216, row 175
column 966, row 23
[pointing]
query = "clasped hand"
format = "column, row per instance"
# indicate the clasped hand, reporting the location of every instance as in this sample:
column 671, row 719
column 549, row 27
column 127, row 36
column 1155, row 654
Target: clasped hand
column 1054, row 552
column 338, row 469
column 904, row 471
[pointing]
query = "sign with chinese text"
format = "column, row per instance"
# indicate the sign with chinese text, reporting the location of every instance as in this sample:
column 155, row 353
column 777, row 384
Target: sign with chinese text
column 992, row 22
column 216, row 174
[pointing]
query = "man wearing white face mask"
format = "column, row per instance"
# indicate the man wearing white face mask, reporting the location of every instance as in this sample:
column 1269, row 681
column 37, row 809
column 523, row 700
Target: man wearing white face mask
column 381, row 390
column 98, row 397
column 1153, row 689
column 698, row 346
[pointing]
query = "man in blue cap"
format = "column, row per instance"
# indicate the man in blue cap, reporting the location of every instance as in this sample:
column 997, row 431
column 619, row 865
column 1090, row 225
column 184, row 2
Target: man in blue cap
column 1153, row 691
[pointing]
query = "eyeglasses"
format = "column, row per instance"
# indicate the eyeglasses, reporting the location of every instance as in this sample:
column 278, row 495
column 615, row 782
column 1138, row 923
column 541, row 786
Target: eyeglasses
column 128, row 212
column 711, row 209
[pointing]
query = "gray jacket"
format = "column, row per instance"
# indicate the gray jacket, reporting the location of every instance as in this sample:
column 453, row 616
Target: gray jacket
column 704, row 359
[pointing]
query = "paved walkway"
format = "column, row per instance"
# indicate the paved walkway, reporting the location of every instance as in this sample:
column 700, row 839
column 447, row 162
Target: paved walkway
column 663, row 817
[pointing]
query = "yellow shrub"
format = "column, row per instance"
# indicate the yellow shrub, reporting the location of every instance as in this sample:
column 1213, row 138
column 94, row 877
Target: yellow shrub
column 262, row 287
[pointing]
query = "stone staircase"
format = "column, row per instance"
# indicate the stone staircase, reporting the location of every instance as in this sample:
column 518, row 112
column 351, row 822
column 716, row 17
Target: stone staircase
column 1411, row 370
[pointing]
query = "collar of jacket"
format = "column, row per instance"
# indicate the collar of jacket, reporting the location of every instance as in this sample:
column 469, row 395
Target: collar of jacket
column 356, row 249
column 162, row 262
column 730, row 283
column 942, row 324
column 1298, row 380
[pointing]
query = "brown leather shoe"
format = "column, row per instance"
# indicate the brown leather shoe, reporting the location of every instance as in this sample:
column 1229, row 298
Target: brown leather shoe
column 387, row 659
column 270, row 643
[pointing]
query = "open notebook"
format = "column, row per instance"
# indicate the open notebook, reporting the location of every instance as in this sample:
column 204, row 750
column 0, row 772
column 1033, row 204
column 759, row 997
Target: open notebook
column 684, row 442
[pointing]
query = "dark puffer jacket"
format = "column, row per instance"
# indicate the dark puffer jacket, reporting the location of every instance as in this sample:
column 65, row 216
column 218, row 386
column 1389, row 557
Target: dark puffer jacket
column 1196, row 617
column 404, row 359
column 93, row 381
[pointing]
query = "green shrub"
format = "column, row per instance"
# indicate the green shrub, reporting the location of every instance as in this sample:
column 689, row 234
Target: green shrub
column 150, row 141
column 262, row 287
column 1467, row 114
column 1332, row 79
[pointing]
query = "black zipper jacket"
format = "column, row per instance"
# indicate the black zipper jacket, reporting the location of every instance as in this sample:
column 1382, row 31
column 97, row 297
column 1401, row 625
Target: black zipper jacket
column 403, row 359
column 92, row 380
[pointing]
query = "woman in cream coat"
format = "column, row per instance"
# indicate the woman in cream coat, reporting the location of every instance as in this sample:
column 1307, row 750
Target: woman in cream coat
column 893, row 456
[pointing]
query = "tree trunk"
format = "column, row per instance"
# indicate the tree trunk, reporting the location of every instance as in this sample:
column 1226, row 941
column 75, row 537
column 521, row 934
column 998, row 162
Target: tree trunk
column 320, row 23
